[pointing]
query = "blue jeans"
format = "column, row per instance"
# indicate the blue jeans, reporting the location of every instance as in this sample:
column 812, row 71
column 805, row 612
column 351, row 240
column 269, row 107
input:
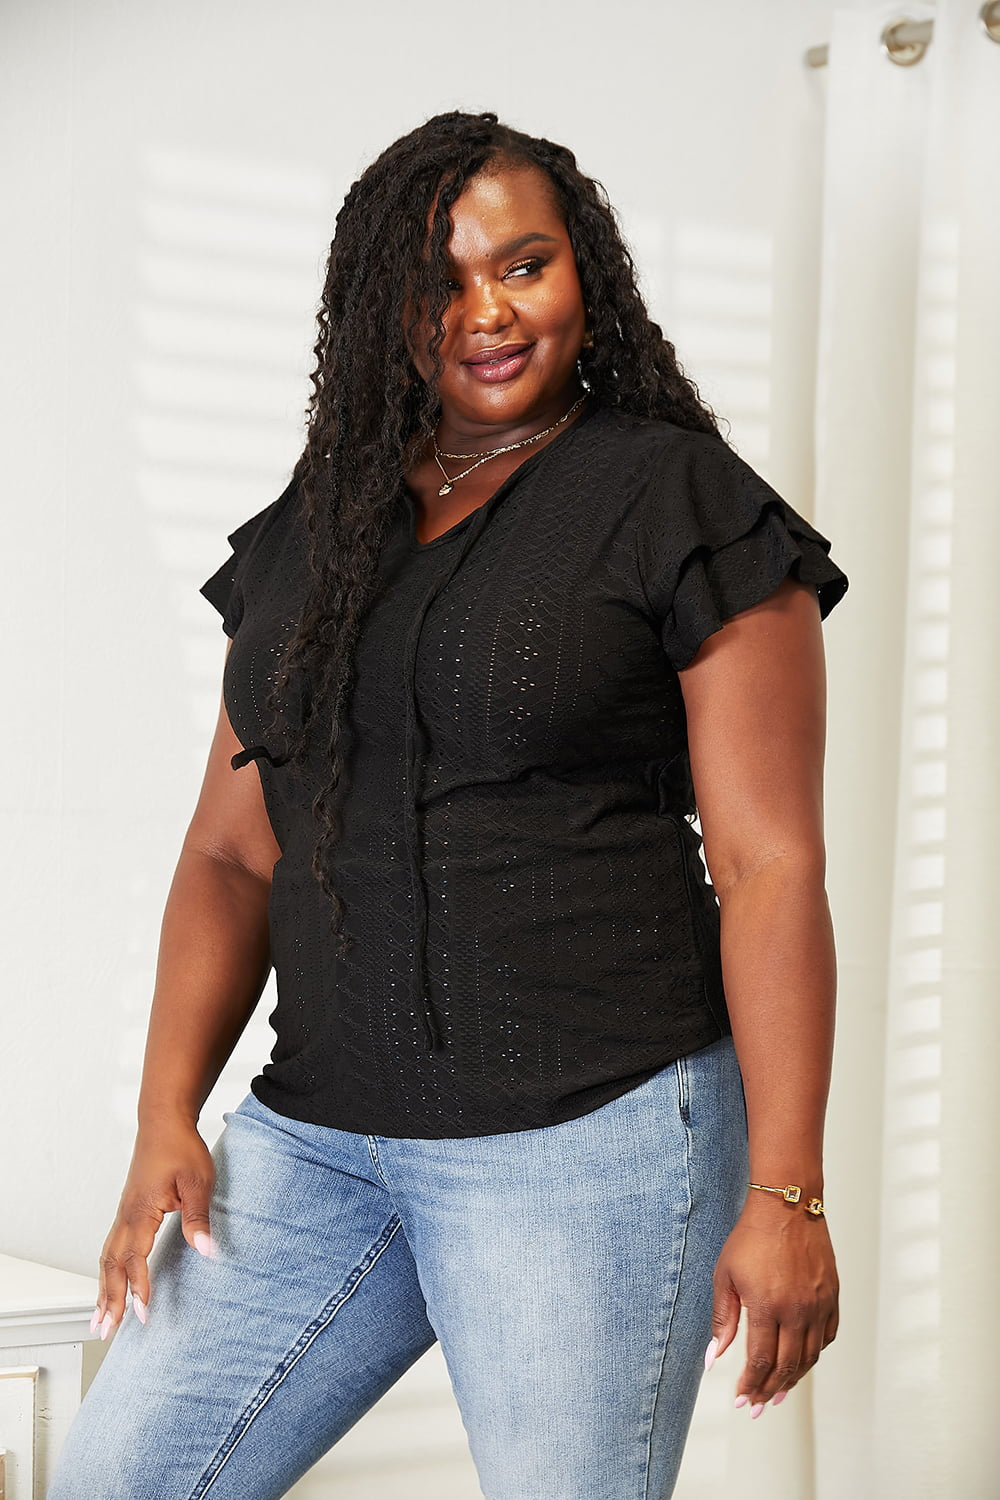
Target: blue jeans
column 567, row 1272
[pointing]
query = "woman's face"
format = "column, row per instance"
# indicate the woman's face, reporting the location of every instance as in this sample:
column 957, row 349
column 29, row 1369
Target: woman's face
column 516, row 320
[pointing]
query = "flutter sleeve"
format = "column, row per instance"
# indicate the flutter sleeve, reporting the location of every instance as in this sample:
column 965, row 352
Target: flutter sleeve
column 225, row 587
column 716, row 538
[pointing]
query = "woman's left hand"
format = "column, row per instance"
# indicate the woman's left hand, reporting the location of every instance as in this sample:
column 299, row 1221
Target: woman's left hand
column 778, row 1263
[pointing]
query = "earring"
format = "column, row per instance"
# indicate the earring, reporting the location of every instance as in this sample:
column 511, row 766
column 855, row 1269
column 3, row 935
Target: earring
column 588, row 332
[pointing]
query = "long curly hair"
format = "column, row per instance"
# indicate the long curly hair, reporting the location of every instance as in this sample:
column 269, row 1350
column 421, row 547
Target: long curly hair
column 370, row 413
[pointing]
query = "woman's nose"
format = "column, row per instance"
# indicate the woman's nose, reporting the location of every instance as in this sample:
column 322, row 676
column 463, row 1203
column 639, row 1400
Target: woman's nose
column 486, row 309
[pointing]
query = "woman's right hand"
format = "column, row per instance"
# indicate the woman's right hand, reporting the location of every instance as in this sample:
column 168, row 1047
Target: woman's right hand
column 171, row 1168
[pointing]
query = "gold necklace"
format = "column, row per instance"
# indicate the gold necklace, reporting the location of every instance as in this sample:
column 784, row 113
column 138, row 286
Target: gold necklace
column 481, row 458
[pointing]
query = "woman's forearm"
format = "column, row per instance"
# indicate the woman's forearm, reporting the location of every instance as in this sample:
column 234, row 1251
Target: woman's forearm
column 212, row 966
column 779, row 971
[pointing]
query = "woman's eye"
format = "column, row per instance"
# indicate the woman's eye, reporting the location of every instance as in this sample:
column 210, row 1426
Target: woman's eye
column 526, row 265
column 522, row 269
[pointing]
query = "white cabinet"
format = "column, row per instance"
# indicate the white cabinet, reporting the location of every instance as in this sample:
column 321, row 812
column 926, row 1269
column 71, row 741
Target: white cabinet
column 47, row 1359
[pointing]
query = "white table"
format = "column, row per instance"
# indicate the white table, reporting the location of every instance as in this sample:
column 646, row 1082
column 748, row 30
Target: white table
column 47, row 1358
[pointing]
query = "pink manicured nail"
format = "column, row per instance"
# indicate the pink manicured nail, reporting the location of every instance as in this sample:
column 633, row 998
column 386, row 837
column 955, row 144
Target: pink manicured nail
column 710, row 1353
column 139, row 1308
column 755, row 1411
column 106, row 1326
column 777, row 1399
column 205, row 1244
column 742, row 1400
column 95, row 1320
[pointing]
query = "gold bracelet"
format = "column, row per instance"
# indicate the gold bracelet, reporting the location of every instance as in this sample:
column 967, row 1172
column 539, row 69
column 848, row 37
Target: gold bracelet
column 792, row 1194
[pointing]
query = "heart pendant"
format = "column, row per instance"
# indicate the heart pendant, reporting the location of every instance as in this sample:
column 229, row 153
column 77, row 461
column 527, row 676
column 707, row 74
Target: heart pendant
column 445, row 489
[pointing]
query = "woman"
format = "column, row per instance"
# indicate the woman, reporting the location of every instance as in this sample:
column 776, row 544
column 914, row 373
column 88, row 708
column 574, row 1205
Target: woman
column 520, row 614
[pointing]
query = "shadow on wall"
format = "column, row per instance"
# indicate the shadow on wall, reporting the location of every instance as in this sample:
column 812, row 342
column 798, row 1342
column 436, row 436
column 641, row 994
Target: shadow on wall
column 712, row 291
column 231, row 259
column 230, row 271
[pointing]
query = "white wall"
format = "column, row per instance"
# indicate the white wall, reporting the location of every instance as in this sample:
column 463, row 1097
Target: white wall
column 171, row 174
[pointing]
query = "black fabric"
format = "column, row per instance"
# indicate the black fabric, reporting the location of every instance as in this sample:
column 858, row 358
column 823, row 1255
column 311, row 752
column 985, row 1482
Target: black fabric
column 533, row 933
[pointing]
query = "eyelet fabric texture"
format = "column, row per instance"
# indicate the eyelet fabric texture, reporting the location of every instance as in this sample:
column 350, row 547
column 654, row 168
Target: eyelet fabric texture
column 530, row 937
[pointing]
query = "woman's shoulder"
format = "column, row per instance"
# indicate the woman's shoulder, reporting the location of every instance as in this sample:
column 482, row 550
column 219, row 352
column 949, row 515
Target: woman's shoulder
column 713, row 536
column 656, row 439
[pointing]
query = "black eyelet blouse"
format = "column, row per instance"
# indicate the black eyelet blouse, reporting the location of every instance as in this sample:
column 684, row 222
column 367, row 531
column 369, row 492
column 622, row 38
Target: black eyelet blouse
column 532, row 930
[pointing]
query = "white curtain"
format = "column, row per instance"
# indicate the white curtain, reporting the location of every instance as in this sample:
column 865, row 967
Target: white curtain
column 908, row 487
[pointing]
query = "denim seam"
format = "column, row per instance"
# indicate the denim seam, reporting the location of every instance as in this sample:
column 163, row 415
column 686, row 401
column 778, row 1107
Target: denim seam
column 673, row 1305
column 242, row 1425
column 373, row 1153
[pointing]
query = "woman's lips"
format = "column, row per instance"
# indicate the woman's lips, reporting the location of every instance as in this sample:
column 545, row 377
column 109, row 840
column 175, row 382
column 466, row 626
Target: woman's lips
column 492, row 368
